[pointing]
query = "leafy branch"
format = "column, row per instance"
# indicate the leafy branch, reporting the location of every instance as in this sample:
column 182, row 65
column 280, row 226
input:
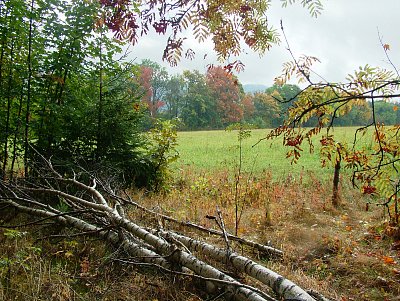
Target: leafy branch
column 321, row 103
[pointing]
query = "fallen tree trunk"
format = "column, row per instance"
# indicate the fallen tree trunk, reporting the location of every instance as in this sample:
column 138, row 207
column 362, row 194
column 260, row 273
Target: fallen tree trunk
column 101, row 217
column 110, row 236
column 283, row 287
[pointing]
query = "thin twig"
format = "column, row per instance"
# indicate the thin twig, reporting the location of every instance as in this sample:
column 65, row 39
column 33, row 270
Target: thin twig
column 46, row 218
column 225, row 236
column 385, row 49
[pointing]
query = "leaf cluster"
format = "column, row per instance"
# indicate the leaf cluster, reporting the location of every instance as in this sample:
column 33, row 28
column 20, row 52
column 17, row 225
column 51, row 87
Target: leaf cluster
column 229, row 24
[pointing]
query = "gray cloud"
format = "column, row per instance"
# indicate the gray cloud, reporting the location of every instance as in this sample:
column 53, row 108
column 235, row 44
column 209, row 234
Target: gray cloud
column 343, row 38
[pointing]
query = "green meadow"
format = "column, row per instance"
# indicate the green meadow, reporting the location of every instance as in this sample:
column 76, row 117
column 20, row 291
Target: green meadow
column 209, row 151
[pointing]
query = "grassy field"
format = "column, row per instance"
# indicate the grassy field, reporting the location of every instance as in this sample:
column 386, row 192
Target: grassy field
column 210, row 151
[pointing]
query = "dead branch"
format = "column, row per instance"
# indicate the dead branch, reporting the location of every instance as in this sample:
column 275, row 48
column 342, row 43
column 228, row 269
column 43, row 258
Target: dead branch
column 268, row 250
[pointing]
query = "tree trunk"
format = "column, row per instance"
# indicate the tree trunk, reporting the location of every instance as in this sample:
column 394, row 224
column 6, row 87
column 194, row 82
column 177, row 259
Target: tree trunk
column 9, row 99
column 16, row 134
column 336, row 180
column 281, row 286
column 29, row 89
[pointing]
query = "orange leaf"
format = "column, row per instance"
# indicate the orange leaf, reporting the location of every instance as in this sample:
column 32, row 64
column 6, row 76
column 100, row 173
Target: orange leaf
column 395, row 108
column 388, row 260
column 85, row 265
column 386, row 47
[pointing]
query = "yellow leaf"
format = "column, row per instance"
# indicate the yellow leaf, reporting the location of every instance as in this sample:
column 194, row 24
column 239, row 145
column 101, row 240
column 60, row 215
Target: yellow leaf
column 386, row 47
column 68, row 254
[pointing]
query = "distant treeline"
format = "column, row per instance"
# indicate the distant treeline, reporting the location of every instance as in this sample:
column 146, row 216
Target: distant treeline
column 217, row 99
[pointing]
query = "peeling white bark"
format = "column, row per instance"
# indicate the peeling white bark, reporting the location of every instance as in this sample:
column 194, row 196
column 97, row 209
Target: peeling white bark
column 112, row 237
column 283, row 287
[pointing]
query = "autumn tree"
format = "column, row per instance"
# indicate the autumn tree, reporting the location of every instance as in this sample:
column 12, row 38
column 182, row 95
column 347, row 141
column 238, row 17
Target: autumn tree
column 248, row 106
column 224, row 88
column 153, row 80
column 229, row 24
column 144, row 81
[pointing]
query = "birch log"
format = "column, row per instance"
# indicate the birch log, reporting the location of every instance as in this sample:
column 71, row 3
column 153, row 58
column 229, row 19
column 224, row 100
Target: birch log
column 164, row 249
column 283, row 287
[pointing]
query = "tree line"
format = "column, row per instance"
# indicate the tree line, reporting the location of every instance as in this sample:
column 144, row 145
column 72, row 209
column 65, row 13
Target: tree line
column 216, row 99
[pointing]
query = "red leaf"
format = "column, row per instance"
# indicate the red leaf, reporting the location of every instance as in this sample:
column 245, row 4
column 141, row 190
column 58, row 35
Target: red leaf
column 368, row 189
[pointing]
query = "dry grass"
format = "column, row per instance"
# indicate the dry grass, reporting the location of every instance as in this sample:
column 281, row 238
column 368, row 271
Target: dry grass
column 345, row 253
column 69, row 269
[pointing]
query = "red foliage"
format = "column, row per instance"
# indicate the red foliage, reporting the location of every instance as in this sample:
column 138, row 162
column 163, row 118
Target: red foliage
column 145, row 81
column 225, row 89
column 368, row 189
column 294, row 141
column 161, row 27
column 146, row 74
column 248, row 106
column 245, row 8
column 118, row 17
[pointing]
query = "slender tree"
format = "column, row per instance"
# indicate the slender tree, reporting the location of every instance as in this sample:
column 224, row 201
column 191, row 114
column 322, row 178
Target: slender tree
column 29, row 86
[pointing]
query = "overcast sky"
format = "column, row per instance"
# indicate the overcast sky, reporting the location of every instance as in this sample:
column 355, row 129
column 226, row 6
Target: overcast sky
column 343, row 37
